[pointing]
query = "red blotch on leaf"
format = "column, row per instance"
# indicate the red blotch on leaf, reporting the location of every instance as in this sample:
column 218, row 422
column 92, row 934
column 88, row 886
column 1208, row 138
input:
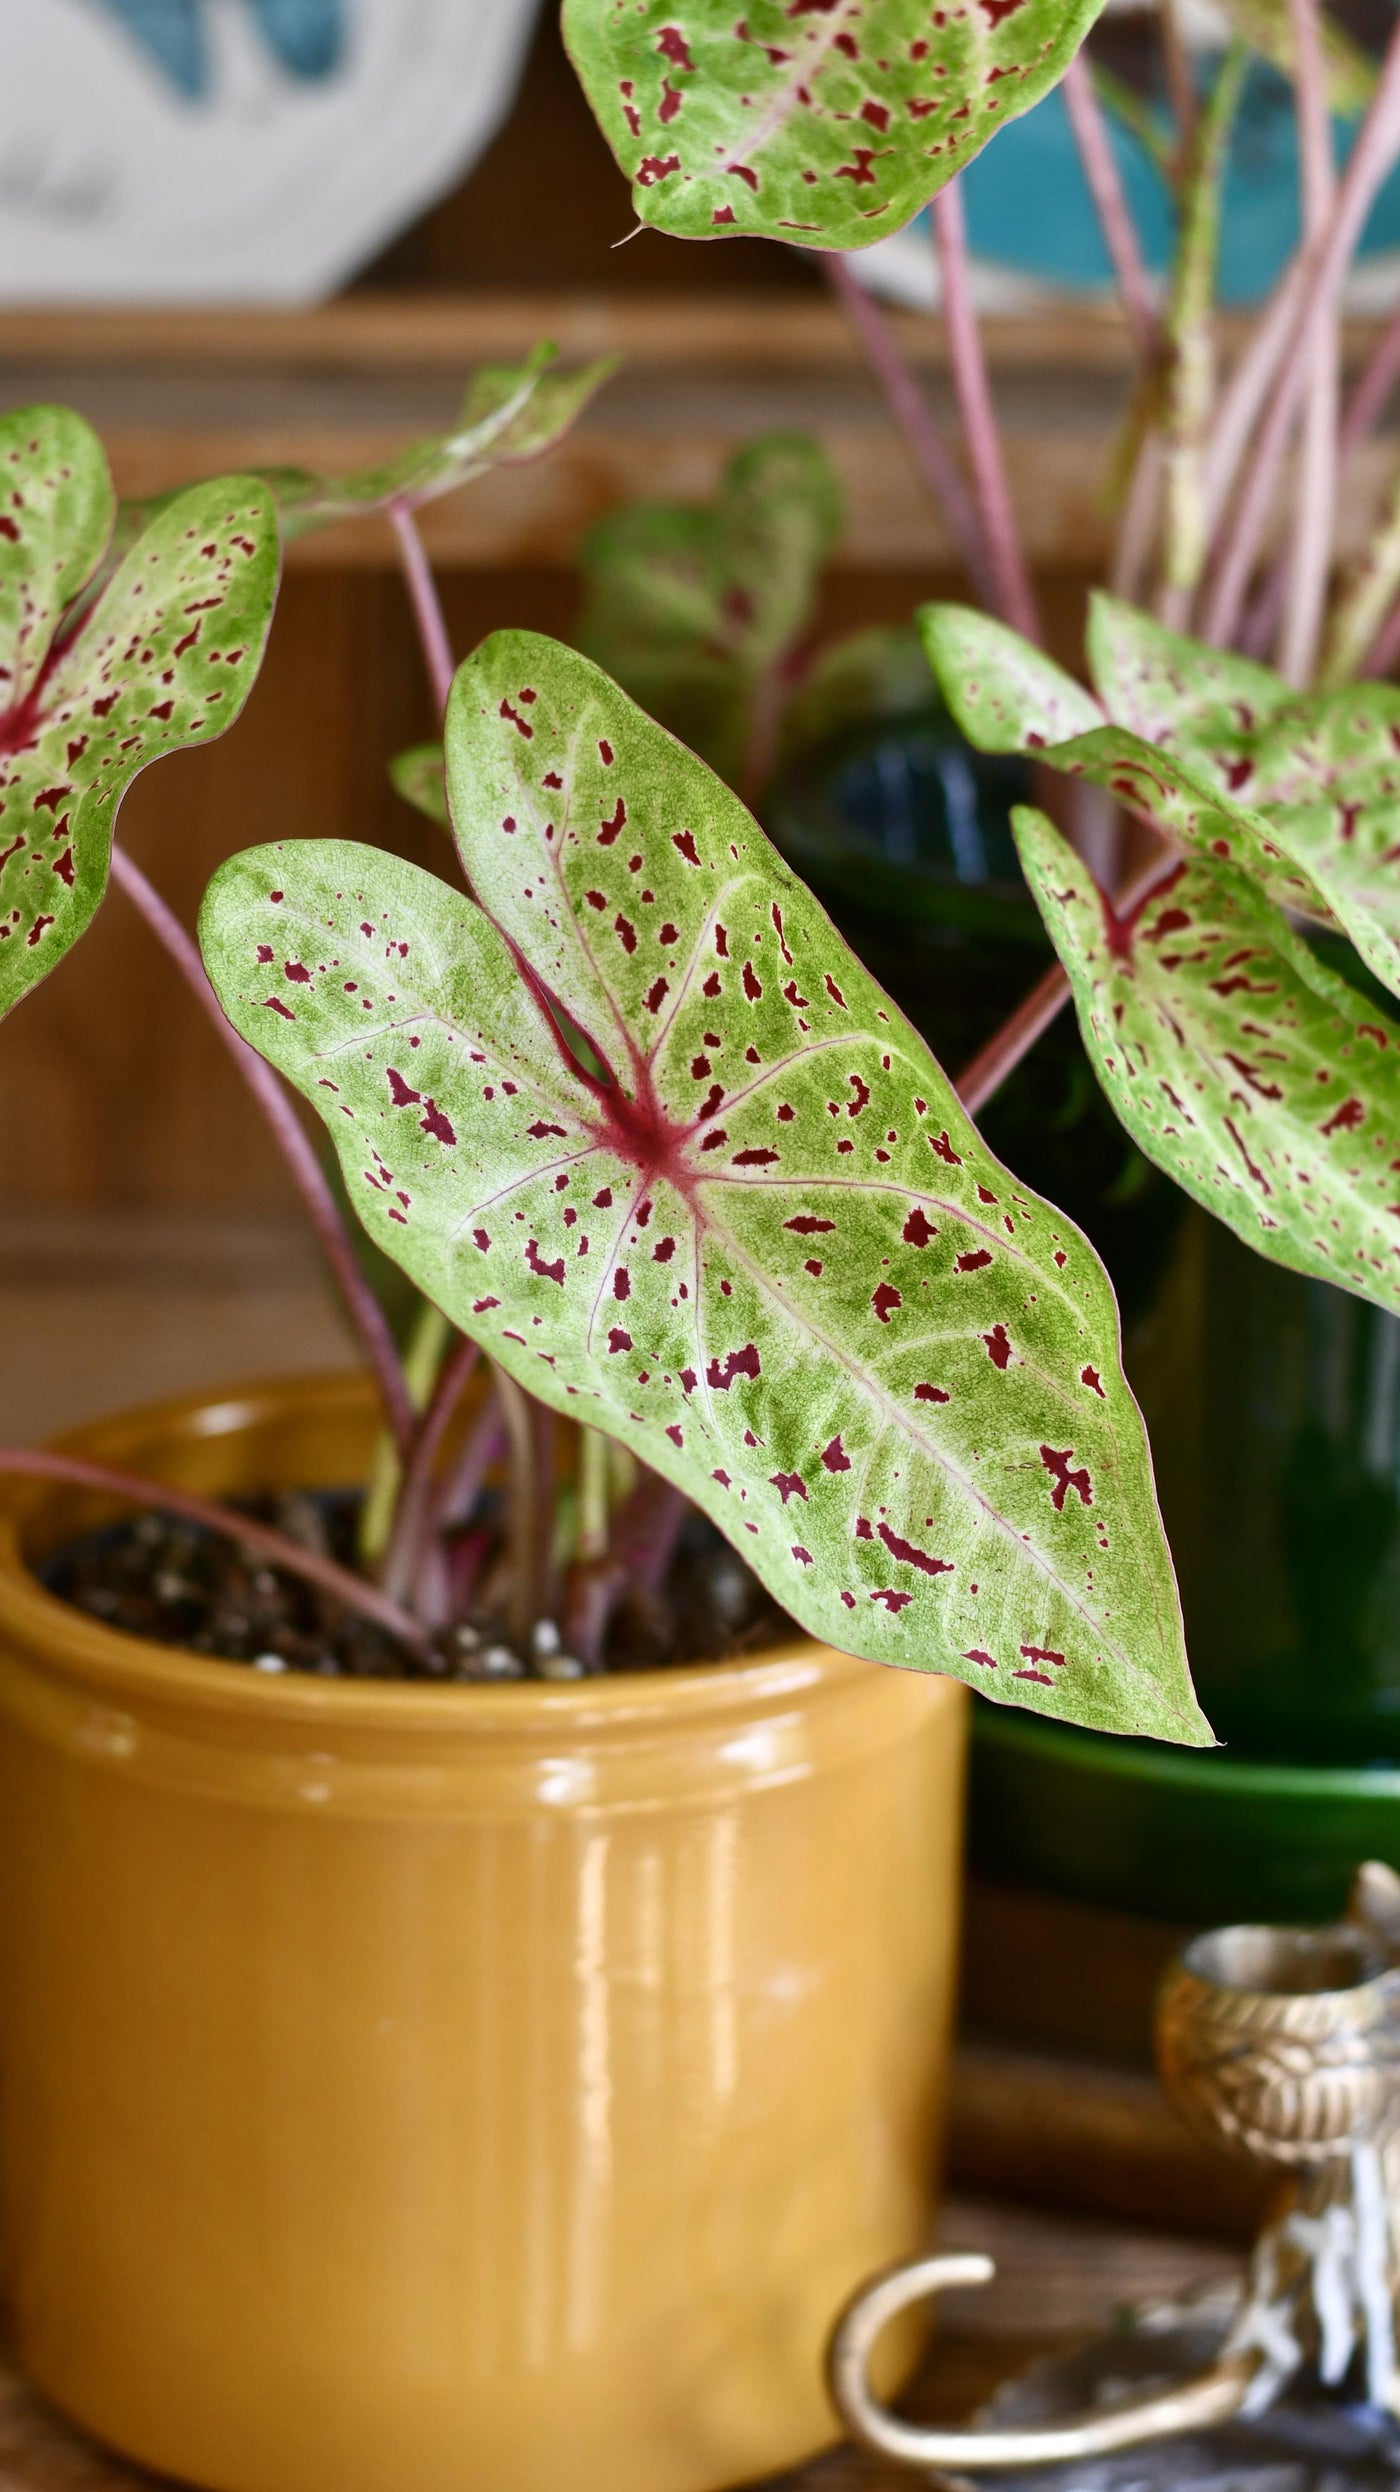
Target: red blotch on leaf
column 790, row 1484
column 743, row 1362
column 1350, row 1114
column 998, row 1346
column 1064, row 1479
column 917, row 1230
column 910, row 1555
column 885, row 1299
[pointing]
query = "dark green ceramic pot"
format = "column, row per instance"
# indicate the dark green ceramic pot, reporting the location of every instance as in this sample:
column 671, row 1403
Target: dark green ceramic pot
column 1273, row 1404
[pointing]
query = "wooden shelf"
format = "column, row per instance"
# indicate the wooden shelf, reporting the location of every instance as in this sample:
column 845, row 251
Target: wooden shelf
column 182, row 394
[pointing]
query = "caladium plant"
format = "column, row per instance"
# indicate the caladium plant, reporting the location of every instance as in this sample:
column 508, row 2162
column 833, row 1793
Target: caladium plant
column 638, row 1121
column 1259, row 1079
column 828, row 124
column 93, row 691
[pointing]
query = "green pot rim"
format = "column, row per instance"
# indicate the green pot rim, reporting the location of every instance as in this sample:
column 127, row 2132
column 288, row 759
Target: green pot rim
column 1206, row 1770
column 1188, row 1836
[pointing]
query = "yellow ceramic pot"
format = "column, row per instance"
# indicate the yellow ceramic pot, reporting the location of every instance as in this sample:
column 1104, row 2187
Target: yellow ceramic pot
column 444, row 2087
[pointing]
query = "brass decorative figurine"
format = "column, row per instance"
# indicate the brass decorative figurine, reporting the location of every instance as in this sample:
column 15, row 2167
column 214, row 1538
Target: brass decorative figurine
column 1284, row 2044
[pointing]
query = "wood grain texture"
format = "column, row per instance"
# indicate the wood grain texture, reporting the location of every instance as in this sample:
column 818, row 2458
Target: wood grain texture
column 182, row 394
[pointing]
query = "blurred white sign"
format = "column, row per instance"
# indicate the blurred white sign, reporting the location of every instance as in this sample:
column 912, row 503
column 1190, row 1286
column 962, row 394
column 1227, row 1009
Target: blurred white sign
column 257, row 151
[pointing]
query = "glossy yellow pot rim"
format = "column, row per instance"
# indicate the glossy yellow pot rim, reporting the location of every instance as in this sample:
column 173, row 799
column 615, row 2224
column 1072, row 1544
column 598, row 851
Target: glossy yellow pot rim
column 63, row 1642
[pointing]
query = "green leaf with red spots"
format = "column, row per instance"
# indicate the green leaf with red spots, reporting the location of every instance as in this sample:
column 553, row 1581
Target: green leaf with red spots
column 829, row 122
column 1165, row 685
column 697, row 609
column 1007, row 698
column 511, row 412
column 1266, row 1086
column 761, row 1244
column 1318, row 772
column 93, row 690
column 56, row 511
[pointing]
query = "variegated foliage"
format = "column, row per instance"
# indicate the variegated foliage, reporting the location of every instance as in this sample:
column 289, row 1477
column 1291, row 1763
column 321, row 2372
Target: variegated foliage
column 758, row 1241
column 91, row 690
column 1267, row 1086
column 828, row 122
column 1302, row 790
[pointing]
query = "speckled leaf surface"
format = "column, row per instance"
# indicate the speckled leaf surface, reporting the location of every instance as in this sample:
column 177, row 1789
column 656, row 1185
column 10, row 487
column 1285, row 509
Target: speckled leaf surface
column 824, row 121
column 1163, row 684
column 1267, row 1087
column 511, row 412
column 695, row 608
column 56, row 511
column 1007, row 698
column 1321, row 771
column 765, row 1248
column 164, row 658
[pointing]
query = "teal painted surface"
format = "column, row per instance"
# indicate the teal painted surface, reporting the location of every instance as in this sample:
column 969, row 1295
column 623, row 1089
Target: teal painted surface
column 1035, row 159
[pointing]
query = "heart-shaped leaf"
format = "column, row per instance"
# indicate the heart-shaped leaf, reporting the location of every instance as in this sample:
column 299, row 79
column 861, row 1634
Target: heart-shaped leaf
column 829, row 122
column 93, row 691
column 511, row 412
column 761, row 1245
column 695, row 608
column 1267, row 1087
column 1007, row 698
column 1318, row 772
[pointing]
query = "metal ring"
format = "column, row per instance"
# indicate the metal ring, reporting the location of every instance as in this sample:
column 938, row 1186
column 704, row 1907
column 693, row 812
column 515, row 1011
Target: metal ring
column 1210, row 2397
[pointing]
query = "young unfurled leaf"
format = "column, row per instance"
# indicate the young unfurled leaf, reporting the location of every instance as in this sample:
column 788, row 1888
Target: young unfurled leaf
column 1007, row 698
column 417, row 777
column 830, row 123
column 164, row 657
column 1318, row 772
column 510, row 412
column 1267, row 1087
column 762, row 1245
column 694, row 608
